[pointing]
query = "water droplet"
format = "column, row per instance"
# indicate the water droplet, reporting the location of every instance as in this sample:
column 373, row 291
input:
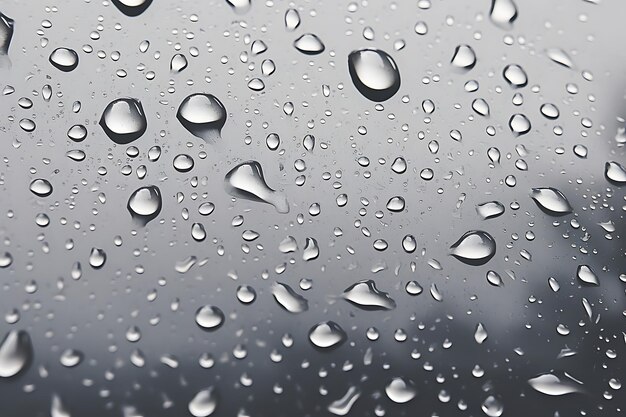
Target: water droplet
column 549, row 110
column 399, row 165
column 374, row 73
column 519, row 124
column 240, row 6
column 395, row 204
column 560, row 57
column 71, row 358
column 309, row 44
column 492, row 407
column 178, row 63
column 365, row 295
column 311, row 249
column 16, row 352
column 77, row 133
column 342, row 406
column 132, row 7
column 246, row 181
column 615, row 173
column 41, row 187
column 464, row 57
column 474, row 248
column 481, row 107
column 204, row 403
column 288, row 299
column 515, row 76
column 400, row 390
column 490, row 209
column 494, row 279
column 145, row 204
column 555, row 384
column 203, row 115
column 292, row 19
column 409, row 244
column 480, row 334
column 327, row 334
column 551, row 201
column 64, row 59
column 246, row 294
column 6, row 33
column 209, row 317
column 97, row 258
column 183, row 163
column 503, row 13
column 57, row 408
column 123, row 120
column 587, row 275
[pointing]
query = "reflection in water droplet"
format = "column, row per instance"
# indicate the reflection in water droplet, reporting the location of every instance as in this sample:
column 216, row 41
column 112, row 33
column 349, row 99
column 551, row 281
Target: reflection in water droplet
column 515, row 76
column 409, row 244
column 490, row 209
column 209, row 317
column 374, row 73
column 474, row 247
column 41, row 187
column 292, row 19
column 615, row 173
column 204, row 403
column 6, row 34
column 327, row 334
column 203, row 115
column 123, row 120
column 550, row 111
column 64, row 59
column 494, row 279
column 365, row 295
column 132, row 7
column 503, row 13
column 145, row 204
column 400, row 390
column 551, row 201
column 183, row 163
column 309, row 44
column 288, row 299
column 16, row 352
column 464, row 57
column 492, row 407
column 97, row 258
column 247, row 181
column 396, row 204
column 587, row 275
column 555, row 384
column 77, row 133
column 519, row 124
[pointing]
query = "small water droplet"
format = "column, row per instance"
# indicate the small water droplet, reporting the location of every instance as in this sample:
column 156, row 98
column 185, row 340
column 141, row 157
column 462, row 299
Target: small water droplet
column 490, row 209
column 515, row 76
column 204, row 403
column 41, row 187
column 400, row 390
column 464, row 57
column 587, row 275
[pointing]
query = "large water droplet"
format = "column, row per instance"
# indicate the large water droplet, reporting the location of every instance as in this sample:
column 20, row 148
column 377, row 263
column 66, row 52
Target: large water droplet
column 132, row 7
column 490, row 209
column 64, row 59
column 587, row 275
column 615, row 173
column 209, row 317
column 365, row 295
column 41, row 187
column 400, row 390
column 464, row 57
column 123, row 120
column 557, row 383
column 551, row 201
column 6, row 33
column 204, row 403
column 309, row 44
column 288, row 299
column 16, row 352
column 374, row 73
column 203, row 115
column 327, row 334
column 57, row 408
column 474, row 247
column 247, row 181
column 240, row 6
column 145, row 204
column 503, row 13
column 515, row 76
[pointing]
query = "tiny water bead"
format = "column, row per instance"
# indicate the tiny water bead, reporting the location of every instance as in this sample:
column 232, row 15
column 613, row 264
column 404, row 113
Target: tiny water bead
column 124, row 120
column 64, row 59
column 374, row 73
column 203, row 115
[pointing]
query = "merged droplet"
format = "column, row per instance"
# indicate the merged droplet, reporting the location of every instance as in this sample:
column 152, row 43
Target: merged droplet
column 204, row 403
column 16, row 353
column 145, row 204
column 309, row 44
column 203, row 115
column 132, row 7
column 374, row 73
column 555, row 384
column 209, row 317
column 327, row 334
column 365, row 295
column 288, row 299
column 401, row 390
column 247, row 181
column 64, row 59
column 503, row 13
column 475, row 247
column 551, row 201
column 464, row 57
column 123, row 120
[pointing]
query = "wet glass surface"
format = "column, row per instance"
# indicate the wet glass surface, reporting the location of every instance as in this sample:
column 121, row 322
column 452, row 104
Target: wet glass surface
column 312, row 208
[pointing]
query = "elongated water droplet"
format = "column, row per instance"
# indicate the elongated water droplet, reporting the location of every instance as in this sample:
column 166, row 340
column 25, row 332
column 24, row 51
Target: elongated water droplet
column 203, row 115
column 503, row 13
column 132, row 7
column 365, row 295
column 474, row 247
column 555, row 384
column 292, row 19
column 64, row 59
column 615, row 173
column 342, row 406
column 494, row 279
column 288, row 299
column 490, row 209
column 464, row 57
column 204, row 403
column 587, row 275
column 311, row 249
column 209, row 317
column 309, row 44
column 480, row 334
column 16, row 353
column 409, row 244
column 374, row 73
column 515, row 76
column 327, row 334
column 401, row 390
column 551, row 201
column 247, row 181
column 560, row 57
column 41, row 187
column 492, row 407
column 240, row 6
column 123, row 120
column 145, row 204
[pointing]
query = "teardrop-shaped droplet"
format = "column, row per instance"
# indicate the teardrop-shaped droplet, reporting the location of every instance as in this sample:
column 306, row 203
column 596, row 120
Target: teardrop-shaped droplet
column 288, row 299
column 6, row 33
column 204, row 403
column 292, row 19
column 374, row 73
column 519, row 124
column 97, row 258
column 587, row 275
column 480, row 334
column 549, row 110
column 490, row 209
column 203, row 115
column 64, row 59
column 309, row 44
column 178, row 63
column 515, row 76
column 400, row 390
column 16, row 353
column 365, row 295
column 209, row 317
column 481, row 107
column 77, row 133
column 132, row 7
column 327, row 334
column 123, row 120
column 247, row 181
column 396, row 204
column 555, row 384
column 494, row 279
column 615, row 173
column 57, row 408
column 551, row 201
column 145, row 204
column 464, row 57
column 474, row 247
column 41, row 187
column 503, row 13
